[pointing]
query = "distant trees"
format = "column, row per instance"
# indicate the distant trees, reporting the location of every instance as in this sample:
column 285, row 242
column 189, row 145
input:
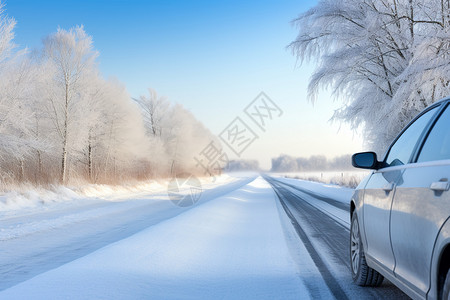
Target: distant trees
column 386, row 60
column 242, row 165
column 286, row 163
column 175, row 134
column 154, row 110
column 60, row 121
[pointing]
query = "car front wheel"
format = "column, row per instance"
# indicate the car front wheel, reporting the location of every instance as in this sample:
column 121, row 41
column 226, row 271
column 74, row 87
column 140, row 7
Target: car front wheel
column 362, row 274
column 446, row 288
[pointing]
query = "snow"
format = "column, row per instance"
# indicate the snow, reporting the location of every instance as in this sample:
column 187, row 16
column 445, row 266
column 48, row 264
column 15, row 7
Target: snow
column 38, row 210
column 231, row 246
column 333, row 191
column 31, row 199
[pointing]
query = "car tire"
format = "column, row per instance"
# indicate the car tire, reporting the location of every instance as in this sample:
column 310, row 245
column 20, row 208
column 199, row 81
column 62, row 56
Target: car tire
column 446, row 288
column 362, row 274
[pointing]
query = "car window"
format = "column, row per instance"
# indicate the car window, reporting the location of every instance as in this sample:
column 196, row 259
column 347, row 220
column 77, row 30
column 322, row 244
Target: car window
column 437, row 145
column 401, row 151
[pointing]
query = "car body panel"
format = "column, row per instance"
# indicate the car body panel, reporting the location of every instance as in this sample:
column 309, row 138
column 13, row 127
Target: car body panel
column 392, row 278
column 416, row 218
column 378, row 195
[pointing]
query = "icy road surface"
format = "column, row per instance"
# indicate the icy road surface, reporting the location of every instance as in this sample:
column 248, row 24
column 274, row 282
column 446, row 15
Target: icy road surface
column 320, row 216
column 246, row 239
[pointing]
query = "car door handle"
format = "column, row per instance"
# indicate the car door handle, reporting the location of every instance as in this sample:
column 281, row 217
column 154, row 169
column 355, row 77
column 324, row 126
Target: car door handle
column 388, row 187
column 440, row 186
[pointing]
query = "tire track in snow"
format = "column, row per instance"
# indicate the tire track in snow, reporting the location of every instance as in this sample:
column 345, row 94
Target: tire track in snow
column 337, row 210
column 329, row 241
column 330, row 201
column 329, row 279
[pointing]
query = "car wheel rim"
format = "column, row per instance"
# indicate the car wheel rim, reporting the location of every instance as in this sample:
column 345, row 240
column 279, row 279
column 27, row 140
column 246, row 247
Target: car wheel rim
column 354, row 247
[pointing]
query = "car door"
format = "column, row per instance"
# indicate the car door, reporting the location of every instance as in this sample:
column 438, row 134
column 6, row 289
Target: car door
column 379, row 193
column 420, row 207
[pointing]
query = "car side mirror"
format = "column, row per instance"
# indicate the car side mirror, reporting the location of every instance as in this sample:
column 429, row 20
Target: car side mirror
column 365, row 160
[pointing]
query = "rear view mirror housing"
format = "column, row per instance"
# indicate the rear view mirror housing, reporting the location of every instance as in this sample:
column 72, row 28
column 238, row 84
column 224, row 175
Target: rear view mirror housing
column 365, row 160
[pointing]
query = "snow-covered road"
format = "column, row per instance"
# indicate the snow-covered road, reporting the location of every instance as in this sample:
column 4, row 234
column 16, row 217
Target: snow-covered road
column 238, row 242
column 320, row 215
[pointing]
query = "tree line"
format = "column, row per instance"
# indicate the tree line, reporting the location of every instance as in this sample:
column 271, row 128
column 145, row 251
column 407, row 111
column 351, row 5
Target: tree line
column 62, row 122
column 237, row 165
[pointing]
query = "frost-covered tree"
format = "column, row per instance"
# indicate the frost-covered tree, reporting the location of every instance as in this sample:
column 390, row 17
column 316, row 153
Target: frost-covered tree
column 117, row 143
column 70, row 61
column 175, row 129
column 242, row 165
column 385, row 59
column 16, row 88
column 15, row 111
column 7, row 25
column 154, row 109
column 184, row 138
column 286, row 163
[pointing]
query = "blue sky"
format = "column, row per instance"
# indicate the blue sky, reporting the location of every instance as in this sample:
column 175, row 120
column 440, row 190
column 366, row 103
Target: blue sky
column 213, row 57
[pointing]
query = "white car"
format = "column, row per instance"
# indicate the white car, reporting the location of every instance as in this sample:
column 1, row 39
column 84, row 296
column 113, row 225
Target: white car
column 400, row 226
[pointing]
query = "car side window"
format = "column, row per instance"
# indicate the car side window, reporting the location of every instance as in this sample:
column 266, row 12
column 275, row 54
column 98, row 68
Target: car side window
column 402, row 149
column 437, row 144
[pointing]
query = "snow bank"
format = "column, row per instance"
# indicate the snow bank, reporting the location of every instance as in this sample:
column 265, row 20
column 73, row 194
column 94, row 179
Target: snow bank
column 31, row 197
column 344, row 178
column 336, row 192
column 117, row 191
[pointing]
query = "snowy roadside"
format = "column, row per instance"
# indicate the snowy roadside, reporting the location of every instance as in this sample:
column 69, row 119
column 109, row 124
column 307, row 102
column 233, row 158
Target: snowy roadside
column 232, row 246
column 346, row 178
column 336, row 192
column 35, row 199
column 336, row 208
column 37, row 240
column 45, row 210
